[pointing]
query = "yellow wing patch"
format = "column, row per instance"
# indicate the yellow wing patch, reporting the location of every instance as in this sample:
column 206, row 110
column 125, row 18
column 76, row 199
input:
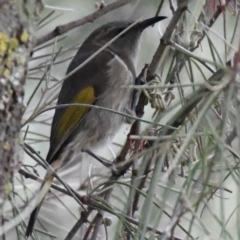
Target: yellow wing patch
column 73, row 114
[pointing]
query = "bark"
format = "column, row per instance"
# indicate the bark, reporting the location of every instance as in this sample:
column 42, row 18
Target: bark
column 17, row 25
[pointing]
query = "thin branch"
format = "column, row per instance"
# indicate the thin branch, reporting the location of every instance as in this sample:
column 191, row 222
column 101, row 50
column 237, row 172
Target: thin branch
column 120, row 171
column 165, row 39
column 54, row 186
column 151, row 71
column 59, row 30
column 82, row 220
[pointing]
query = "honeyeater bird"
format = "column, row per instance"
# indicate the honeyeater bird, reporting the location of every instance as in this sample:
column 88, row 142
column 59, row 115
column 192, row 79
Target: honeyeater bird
column 99, row 82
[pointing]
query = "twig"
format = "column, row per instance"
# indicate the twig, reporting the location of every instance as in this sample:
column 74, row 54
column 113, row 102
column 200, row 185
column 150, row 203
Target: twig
column 210, row 23
column 141, row 186
column 59, row 30
column 97, row 205
column 79, row 223
column 54, row 186
column 151, row 72
column 86, row 236
column 165, row 39
column 159, row 8
column 171, row 6
column 120, row 170
column 178, row 212
column 34, row 155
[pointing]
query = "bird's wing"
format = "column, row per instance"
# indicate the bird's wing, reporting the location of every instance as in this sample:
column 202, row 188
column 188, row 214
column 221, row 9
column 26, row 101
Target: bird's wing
column 84, row 87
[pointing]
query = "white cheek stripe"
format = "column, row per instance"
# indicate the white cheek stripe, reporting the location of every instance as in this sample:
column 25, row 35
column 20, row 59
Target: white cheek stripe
column 119, row 59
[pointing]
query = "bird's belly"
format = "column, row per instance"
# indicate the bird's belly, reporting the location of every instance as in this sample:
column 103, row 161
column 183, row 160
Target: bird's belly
column 98, row 125
column 102, row 125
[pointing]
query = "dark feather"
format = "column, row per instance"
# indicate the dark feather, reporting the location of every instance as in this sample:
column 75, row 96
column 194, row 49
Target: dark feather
column 92, row 74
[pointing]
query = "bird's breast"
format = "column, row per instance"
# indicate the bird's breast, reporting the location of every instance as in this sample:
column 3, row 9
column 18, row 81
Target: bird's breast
column 99, row 125
column 117, row 96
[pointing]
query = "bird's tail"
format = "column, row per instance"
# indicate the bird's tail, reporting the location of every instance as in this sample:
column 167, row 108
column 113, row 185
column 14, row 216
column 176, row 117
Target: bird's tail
column 41, row 195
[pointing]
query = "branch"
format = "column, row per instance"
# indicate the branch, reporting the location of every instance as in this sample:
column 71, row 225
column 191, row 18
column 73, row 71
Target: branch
column 17, row 25
column 79, row 223
column 165, row 39
column 59, row 30
column 151, row 71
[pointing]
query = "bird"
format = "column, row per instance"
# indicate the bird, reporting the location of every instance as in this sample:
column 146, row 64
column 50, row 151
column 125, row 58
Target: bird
column 99, row 82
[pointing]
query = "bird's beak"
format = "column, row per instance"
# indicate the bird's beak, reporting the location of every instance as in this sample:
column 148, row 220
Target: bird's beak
column 148, row 22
